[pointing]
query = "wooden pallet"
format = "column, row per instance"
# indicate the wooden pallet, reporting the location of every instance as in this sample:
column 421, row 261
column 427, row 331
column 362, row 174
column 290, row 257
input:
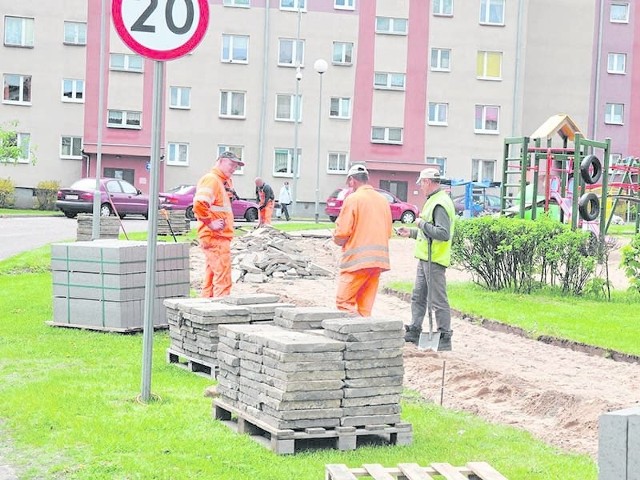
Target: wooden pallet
column 199, row 367
column 285, row 441
column 413, row 471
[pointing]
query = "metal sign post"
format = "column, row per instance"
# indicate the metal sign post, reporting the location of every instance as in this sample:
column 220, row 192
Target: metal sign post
column 160, row 30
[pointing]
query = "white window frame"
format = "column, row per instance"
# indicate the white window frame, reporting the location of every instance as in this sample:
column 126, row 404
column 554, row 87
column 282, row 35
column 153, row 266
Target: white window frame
column 128, row 60
column 289, row 169
column 616, row 18
column 397, row 26
column 75, row 33
column 442, row 8
column 22, row 140
column 126, row 121
column 479, row 165
column 440, row 161
column 386, row 135
column 617, row 63
column 340, row 159
column 343, row 51
column 74, row 90
column 228, row 112
column 614, row 114
column 293, row 5
column 238, row 151
column 26, row 35
column 178, row 154
column 434, row 112
column 486, row 7
column 180, row 102
column 439, row 55
column 344, row 4
column 74, row 143
column 389, row 81
column 486, row 54
column 297, row 52
column 237, row 3
column 23, row 79
column 228, row 43
column 340, row 107
column 291, row 101
column 483, row 129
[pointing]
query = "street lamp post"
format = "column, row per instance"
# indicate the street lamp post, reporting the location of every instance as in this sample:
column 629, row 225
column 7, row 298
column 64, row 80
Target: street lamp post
column 319, row 66
column 295, row 167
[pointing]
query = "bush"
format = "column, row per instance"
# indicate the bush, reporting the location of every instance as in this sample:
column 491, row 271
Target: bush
column 631, row 262
column 46, row 194
column 7, row 190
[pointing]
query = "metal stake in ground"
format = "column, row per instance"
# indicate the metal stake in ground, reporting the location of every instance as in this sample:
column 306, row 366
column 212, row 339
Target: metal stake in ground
column 165, row 214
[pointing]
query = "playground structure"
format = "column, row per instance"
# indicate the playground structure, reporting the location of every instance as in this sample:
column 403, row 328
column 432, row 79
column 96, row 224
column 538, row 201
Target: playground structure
column 537, row 175
column 473, row 190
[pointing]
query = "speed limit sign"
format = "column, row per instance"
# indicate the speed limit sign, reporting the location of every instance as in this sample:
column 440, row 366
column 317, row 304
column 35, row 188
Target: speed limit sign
column 161, row 29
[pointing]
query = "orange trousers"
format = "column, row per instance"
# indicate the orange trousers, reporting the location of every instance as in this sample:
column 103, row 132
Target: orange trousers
column 357, row 291
column 217, row 273
column 266, row 213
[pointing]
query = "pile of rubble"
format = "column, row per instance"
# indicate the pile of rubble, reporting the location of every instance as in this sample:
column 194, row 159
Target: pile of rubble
column 266, row 253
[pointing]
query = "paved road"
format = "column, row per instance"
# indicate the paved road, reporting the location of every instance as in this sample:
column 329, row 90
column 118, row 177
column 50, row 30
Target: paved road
column 20, row 234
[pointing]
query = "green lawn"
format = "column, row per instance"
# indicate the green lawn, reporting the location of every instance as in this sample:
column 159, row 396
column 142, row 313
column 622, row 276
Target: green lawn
column 7, row 212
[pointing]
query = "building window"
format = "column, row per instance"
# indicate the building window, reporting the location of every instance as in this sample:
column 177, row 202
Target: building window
column 617, row 63
column 441, row 59
column 286, row 106
column 180, row 97
column 391, row 26
column 290, row 51
column 237, row 150
column 18, row 31
column 124, row 119
column 389, row 81
column 489, row 65
column 614, row 113
column 126, row 62
column 342, row 53
column 619, row 13
column 283, row 162
column 340, row 107
column 71, row 147
column 72, row 90
column 482, row 170
column 232, row 104
column 391, row 135
column 487, row 119
column 338, row 162
column 236, row 3
column 23, row 141
column 17, row 89
column 344, row 4
column 438, row 113
column 294, row 5
column 75, row 33
column 442, row 7
column 441, row 162
column 235, row 48
column 492, row 12
column 178, row 154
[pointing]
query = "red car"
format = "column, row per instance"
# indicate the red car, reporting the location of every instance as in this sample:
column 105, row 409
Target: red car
column 181, row 198
column 400, row 211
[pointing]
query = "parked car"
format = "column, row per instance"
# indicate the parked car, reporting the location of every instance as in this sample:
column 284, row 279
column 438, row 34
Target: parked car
column 115, row 196
column 482, row 203
column 400, row 211
column 181, row 198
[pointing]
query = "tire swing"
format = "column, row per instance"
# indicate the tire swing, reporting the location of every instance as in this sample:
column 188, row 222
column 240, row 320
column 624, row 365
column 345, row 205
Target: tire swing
column 589, row 207
column 591, row 169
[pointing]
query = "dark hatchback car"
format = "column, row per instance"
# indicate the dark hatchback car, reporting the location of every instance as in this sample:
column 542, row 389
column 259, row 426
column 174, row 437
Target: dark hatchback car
column 116, row 196
column 181, row 198
column 400, row 211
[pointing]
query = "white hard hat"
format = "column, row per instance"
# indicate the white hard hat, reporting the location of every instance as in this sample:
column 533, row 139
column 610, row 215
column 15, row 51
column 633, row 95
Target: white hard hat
column 357, row 168
column 430, row 173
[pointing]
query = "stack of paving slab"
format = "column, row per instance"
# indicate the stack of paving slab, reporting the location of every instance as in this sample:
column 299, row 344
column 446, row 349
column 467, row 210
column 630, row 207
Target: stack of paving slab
column 175, row 222
column 100, row 284
column 109, row 227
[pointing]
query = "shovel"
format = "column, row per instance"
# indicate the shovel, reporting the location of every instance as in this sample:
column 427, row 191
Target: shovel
column 431, row 339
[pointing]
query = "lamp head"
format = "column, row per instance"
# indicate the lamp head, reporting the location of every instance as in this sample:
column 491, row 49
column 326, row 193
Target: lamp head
column 320, row 66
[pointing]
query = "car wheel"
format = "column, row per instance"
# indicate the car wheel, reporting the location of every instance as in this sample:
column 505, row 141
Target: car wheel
column 70, row 214
column 122, row 215
column 332, row 218
column 189, row 213
column 251, row 215
column 105, row 210
column 407, row 217
column 145, row 215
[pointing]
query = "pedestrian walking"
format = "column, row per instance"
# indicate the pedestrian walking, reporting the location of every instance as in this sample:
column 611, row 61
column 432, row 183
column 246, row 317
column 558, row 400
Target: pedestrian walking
column 285, row 200
column 433, row 251
column 363, row 229
column 265, row 199
column 212, row 209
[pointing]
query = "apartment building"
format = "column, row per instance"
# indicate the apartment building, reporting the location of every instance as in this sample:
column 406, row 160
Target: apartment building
column 407, row 83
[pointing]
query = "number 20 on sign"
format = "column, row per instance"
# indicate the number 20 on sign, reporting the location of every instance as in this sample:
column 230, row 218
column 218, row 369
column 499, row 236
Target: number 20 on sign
column 161, row 29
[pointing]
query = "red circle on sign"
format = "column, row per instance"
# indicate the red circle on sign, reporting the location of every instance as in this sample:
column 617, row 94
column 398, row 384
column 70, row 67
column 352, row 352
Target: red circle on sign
column 153, row 53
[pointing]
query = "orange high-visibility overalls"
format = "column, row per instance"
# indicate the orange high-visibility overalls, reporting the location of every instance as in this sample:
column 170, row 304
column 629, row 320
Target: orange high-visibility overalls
column 267, row 212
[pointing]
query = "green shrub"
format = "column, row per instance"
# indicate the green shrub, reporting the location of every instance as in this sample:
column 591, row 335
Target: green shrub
column 46, row 194
column 631, row 262
column 7, row 190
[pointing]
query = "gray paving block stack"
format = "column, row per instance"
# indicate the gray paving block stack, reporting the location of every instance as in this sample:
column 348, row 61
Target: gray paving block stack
column 287, row 379
column 262, row 306
column 100, row 284
column 175, row 221
column 373, row 368
column 619, row 445
column 306, row 318
column 109, row 227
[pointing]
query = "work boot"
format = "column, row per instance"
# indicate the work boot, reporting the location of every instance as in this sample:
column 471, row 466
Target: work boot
column 412, row 335
column 445, row 340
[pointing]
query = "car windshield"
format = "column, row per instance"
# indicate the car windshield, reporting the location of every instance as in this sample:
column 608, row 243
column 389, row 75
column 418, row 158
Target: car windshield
column 180, row 189
column 87, row 184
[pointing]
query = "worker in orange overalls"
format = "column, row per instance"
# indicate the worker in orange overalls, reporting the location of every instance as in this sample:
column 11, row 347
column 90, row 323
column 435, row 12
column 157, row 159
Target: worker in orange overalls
column 265, row 199
column 212, row 207
column 363, row 229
